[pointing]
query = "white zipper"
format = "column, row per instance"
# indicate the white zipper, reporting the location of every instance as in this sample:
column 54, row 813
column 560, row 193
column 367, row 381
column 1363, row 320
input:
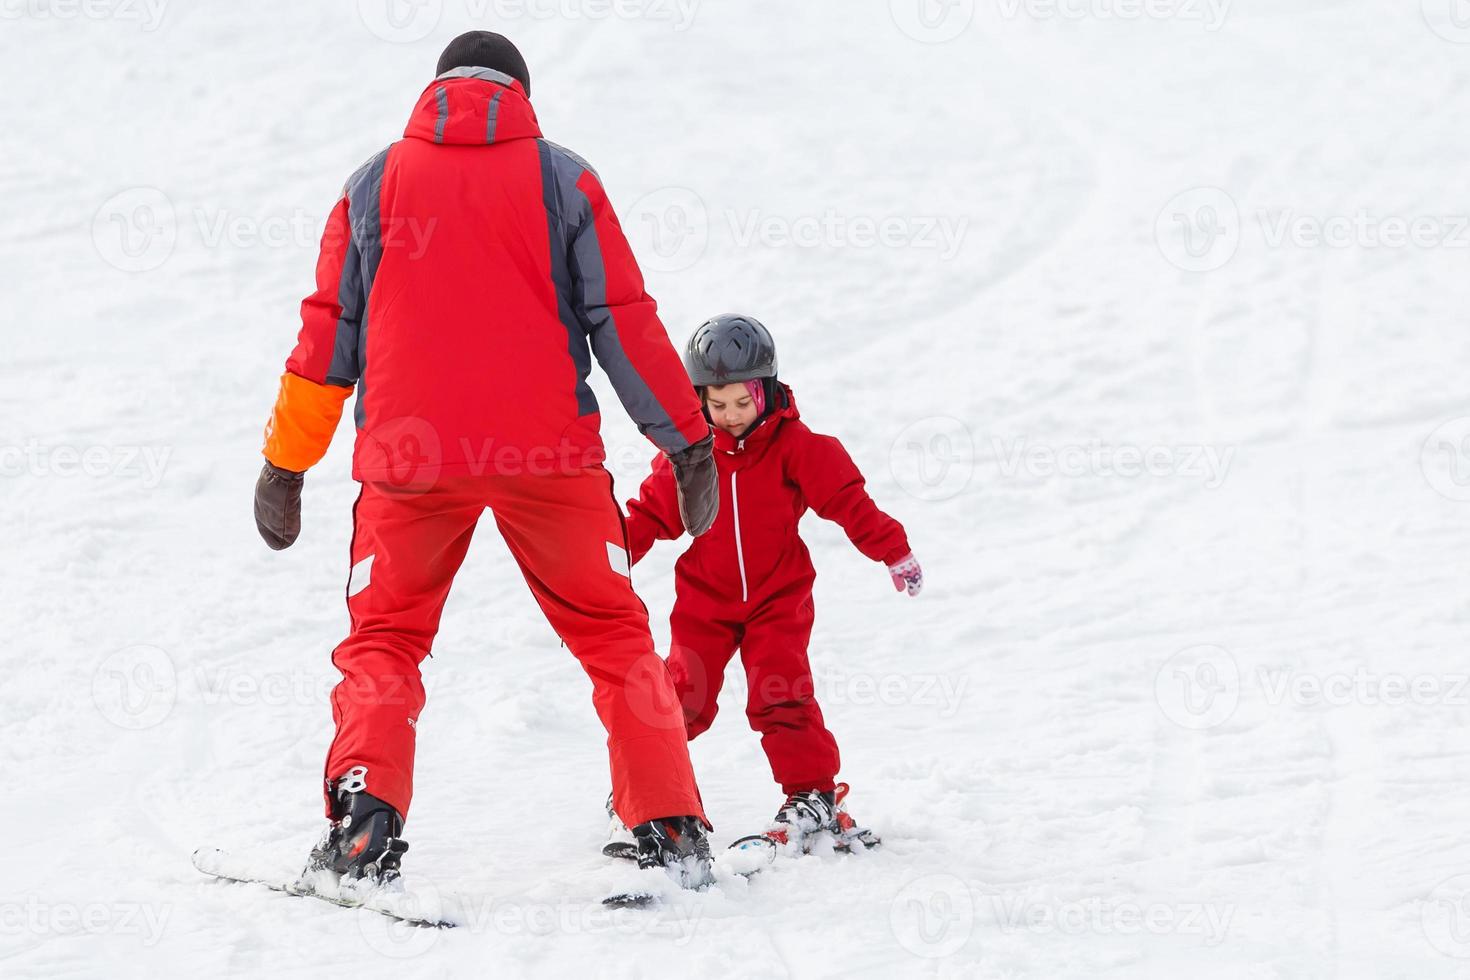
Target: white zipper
column 739, row 549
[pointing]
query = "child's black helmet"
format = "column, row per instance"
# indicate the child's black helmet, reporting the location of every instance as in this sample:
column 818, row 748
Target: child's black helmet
column 728, row 348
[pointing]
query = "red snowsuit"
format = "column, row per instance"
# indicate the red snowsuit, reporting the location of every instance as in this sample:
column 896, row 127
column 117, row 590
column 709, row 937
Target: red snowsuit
column 747, row 582
column 467, row 277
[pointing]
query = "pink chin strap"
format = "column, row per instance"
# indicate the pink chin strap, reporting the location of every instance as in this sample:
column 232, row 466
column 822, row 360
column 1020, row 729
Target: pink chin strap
column 757, row 391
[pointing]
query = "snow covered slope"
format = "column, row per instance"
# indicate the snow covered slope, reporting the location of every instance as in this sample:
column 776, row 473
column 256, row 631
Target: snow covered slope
column 1146, row 318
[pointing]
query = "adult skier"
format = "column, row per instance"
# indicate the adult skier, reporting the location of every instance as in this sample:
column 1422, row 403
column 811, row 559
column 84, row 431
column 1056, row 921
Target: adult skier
column 464, row 274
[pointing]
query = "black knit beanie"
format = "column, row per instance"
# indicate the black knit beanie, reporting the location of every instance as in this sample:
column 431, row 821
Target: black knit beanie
column 484, row 49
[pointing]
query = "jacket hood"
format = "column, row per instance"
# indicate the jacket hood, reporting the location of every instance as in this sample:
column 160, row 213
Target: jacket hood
column 765, row 429
column 473, row 107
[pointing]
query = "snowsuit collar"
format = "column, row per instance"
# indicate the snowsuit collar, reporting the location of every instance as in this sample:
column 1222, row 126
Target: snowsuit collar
column 764, row 431
column 473, row 107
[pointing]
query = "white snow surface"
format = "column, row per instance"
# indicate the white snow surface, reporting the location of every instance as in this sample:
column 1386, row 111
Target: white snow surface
column 1208, row 720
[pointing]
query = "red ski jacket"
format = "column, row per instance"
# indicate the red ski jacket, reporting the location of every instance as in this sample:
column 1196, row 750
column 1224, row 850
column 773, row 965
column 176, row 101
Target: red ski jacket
column 464, row 273
column 768, row 480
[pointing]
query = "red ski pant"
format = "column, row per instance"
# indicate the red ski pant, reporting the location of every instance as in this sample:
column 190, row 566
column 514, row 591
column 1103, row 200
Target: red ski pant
column 566, row 533
column 780, row 701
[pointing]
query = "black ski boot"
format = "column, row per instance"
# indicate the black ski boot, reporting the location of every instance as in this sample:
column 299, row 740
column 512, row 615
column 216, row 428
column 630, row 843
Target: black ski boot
column 362, row 845
column 678, row 845
column 804, row 814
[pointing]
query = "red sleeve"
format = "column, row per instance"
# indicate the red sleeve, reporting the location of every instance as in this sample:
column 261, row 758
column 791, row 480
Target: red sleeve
column 326, row 347
column 627, row 336
column 833, row 487
column 322, row 369
column 654, row 516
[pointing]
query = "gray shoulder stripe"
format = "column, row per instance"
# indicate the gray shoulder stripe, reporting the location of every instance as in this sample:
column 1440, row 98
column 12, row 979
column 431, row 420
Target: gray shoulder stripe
column 442, row 94
column 579, row 161
column 493, row 115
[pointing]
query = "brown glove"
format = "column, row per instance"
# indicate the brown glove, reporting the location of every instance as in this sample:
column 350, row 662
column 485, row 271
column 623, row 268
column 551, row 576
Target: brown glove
column 698, row 484
column 278, row 506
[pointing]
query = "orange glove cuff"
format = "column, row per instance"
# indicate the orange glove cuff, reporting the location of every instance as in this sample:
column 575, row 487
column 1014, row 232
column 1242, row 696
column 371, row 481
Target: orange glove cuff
column 301, row 425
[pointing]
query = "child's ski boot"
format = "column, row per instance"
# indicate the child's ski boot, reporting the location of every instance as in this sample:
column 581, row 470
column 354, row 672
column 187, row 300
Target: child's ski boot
column 804, row 818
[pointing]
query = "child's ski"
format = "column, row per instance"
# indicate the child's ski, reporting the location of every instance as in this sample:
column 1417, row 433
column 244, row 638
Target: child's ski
column 401, row 905
column 762, row 849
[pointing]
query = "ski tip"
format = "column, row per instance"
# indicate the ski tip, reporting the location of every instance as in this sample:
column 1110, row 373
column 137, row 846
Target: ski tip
column 624, row 850
column 207, row 859
column 631, row 900
column 753, row 842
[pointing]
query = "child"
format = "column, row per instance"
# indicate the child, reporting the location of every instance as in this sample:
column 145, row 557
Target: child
column 747, row 582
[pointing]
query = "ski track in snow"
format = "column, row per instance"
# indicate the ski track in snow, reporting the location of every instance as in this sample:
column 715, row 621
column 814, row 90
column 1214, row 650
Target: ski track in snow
column 166, row 675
